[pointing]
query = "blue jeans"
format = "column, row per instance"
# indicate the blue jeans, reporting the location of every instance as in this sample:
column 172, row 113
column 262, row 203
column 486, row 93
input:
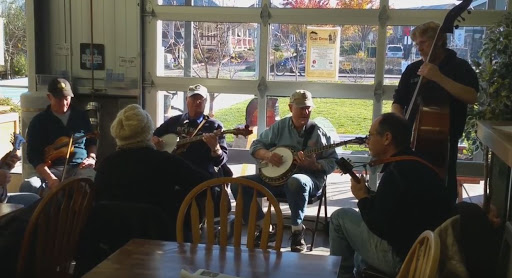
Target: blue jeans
column 24, row 199
column 349, row 237
column 297, row 189
column 37, row 184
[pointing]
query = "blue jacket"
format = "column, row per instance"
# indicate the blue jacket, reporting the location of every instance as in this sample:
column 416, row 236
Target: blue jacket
column 197, row 153
column 45, row 128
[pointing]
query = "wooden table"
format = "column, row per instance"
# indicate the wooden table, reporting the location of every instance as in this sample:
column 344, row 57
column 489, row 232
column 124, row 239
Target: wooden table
column 150, row 258
column 8, row 208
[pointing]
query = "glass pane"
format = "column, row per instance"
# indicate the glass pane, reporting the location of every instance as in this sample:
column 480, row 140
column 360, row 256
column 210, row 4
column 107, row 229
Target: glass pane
column 287, row 55
column 215, row 3
column 400, row 50
column 325, row 4
column 445, row 4
column 220, row 50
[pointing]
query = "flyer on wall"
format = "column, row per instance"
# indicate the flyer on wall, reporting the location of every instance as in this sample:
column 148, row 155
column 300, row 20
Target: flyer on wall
column 323, row 52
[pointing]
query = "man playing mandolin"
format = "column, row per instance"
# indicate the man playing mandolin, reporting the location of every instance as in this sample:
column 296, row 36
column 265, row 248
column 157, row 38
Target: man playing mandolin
column 444, row 73
column 299, row 133
column 410, row 199
column 47, row 147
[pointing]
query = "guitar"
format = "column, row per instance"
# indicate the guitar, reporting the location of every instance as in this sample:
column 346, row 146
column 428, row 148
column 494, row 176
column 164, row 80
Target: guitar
column 431, row 131
column 347, row 168
column 277, row 175
column 172, row 143
column 16, row 142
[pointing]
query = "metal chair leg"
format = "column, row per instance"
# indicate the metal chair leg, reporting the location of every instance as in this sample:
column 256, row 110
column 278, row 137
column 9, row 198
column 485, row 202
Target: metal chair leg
column 323, row 200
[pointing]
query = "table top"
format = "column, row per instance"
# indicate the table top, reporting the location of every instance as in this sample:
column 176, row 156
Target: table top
column 498, row 140
column 151, row 258
column 8, row 208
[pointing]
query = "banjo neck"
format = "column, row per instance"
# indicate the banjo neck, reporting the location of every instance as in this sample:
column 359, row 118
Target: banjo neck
column 357, row 141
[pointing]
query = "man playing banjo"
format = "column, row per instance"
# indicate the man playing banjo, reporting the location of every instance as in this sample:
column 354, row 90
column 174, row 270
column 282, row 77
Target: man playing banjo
column 298, row 133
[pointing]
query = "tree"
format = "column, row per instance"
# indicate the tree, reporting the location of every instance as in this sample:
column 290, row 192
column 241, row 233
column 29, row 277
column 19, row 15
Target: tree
column 15, row 35
column 362, row 32
column 215, row 48
column 311, row 4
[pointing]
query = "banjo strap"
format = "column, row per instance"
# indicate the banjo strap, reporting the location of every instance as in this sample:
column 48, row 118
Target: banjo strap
column 310, row 127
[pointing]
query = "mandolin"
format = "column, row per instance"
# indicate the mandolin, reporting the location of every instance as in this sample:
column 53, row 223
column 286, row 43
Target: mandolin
column 172, row 143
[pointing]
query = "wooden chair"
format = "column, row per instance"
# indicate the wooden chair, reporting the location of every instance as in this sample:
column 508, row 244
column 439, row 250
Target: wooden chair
column 190, row 201
column 423, row 258
column 422, row 261
column 52, row 234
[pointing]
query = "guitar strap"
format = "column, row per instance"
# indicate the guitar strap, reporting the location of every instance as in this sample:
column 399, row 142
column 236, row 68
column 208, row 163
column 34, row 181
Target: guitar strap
column 310, row 127
column 200, row 125
column 404, row 157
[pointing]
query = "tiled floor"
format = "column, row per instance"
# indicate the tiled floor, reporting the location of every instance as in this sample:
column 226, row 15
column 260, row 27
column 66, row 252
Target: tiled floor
column 338, row 195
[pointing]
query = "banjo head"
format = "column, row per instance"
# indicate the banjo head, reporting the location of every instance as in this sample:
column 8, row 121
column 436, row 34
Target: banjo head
column 278, row 175
column 170, row 140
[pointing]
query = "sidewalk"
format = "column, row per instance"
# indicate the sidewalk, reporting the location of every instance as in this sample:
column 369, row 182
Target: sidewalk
column 15, row 83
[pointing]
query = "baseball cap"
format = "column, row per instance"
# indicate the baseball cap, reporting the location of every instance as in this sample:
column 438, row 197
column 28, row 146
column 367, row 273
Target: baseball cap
column 302, row 98
column 197, row 89
column 59, row 88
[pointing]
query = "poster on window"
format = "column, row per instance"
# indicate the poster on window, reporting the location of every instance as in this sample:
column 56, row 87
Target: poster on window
column 98, row 53
column 323, row 53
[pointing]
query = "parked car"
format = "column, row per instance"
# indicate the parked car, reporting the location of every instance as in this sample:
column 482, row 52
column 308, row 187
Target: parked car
column 395, row 51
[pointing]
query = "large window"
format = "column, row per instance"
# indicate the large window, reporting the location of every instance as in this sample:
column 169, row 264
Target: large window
column 234, row 47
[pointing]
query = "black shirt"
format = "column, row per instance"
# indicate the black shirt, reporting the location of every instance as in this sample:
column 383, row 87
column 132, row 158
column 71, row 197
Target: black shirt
column 410, row 199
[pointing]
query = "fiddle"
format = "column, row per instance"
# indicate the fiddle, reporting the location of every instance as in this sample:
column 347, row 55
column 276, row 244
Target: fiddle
column 59, row 148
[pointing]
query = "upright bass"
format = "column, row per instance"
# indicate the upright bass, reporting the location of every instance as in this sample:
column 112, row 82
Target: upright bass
column 431, row 131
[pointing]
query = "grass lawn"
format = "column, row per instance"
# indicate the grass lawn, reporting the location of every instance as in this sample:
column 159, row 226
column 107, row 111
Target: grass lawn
column 348, row 116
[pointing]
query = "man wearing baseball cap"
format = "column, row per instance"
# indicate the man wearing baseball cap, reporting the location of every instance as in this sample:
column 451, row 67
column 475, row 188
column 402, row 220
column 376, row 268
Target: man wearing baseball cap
column 209, row 154
column 59, row 119
column 299, row 133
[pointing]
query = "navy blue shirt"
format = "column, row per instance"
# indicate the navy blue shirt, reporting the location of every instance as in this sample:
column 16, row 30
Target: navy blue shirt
column 198, row 153
column 453, row 67
column 410, row 198
column 45, row 128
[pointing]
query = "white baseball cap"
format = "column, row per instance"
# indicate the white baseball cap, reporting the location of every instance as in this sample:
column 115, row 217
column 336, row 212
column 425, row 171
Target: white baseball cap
column 197, row 89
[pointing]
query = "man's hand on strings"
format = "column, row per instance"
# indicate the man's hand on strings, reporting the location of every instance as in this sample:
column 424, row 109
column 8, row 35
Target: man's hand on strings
column 430, row 71
column 88, row 162
column 306, row 161
column 359, row 189
column 274, row 158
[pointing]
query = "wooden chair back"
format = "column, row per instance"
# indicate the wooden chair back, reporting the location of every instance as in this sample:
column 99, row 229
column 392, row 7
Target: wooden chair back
column 52, row 234
column 191, row 202
column 422, row 260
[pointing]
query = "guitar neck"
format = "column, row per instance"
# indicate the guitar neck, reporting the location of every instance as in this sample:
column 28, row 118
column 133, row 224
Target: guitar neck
column 199, row 137
column 328, row 147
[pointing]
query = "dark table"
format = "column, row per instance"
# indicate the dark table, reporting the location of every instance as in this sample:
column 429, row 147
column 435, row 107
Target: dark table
column 151, row 258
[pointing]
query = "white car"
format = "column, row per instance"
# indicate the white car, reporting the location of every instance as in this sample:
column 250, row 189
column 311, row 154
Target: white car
column 395, row 51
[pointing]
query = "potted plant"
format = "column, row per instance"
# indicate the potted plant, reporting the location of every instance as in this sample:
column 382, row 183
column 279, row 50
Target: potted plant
column 495, row 95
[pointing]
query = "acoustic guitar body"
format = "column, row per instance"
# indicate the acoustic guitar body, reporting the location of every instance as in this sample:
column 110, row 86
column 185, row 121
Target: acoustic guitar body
column 431, row 131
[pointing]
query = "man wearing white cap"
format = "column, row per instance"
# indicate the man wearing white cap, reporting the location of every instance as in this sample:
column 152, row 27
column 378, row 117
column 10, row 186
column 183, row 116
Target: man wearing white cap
column 211, row 153
column 299, row 133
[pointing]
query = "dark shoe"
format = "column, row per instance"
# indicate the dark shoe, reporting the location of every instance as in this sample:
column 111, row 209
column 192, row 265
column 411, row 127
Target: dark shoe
column 298, row 244
column 259, row 233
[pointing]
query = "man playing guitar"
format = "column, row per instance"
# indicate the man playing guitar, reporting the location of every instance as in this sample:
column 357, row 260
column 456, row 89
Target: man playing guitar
column 298, row 133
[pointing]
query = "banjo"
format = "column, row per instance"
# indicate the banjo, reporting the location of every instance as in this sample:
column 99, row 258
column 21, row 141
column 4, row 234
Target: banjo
column 277, row 175
column 172, row 143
